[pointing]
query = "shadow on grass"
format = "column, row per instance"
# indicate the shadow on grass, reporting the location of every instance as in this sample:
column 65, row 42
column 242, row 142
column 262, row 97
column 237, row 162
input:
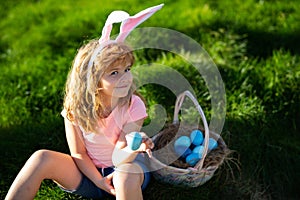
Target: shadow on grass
column 268, row 152
column 18, row 143
column 260, row 43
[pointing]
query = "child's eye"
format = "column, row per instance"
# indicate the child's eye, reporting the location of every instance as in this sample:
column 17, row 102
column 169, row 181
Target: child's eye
column 128, row 69
column 114, row 73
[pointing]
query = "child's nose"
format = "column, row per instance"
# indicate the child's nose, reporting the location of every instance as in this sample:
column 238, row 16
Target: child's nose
column 126, row 77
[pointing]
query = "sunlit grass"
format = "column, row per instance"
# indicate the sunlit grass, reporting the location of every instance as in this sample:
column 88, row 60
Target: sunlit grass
column 254, row 43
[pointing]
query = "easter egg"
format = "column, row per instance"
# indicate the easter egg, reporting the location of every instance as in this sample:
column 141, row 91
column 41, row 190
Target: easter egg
column 182, row 150
column 182, row 141
column 199, row 151
column 134, row 140
column 187, row 152
column 212, row 144
column 181, row 146
column 196, row 137
column 192, row 159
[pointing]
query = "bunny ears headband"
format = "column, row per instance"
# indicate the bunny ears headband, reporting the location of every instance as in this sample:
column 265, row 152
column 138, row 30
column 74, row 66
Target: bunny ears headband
column 128, row 23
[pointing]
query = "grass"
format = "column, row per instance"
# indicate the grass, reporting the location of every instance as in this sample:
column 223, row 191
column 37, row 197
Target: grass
column 253, row 43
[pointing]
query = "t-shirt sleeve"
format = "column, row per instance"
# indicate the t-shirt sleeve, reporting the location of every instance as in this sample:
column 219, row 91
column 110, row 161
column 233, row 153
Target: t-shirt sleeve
column 64, row 115
column 137, row 109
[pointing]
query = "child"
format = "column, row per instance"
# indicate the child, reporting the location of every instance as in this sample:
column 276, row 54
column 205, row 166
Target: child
column 100, row 108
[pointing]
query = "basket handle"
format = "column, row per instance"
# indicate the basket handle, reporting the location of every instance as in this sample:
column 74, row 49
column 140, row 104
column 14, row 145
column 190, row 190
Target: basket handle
column 178, row 105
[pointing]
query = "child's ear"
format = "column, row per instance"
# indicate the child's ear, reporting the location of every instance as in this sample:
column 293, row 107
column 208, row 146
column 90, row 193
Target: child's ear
column 98, row 90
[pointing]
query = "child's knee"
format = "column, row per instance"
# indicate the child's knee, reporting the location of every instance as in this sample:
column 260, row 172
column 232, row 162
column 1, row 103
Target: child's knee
column 42, row 158
column 130, row 168
column 41, row 155
column 128, row 175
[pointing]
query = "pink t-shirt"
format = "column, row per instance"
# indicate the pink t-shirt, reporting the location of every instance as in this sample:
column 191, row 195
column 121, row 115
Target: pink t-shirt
column 100, row 145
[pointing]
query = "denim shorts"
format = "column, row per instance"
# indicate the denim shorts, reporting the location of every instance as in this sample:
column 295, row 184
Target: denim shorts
column 88, row 189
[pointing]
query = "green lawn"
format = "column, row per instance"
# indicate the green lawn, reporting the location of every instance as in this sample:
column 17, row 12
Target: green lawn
column 254, row 43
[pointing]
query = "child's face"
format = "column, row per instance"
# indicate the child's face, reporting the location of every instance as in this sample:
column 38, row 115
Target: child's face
column 117, row 80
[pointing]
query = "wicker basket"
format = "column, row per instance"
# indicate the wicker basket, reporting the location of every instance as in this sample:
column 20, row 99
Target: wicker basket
column 178, row 172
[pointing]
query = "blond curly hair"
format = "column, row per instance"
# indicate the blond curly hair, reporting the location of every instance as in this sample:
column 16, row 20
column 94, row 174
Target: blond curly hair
column 82, row 100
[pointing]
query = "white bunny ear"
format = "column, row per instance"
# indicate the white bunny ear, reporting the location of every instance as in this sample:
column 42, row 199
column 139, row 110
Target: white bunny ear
column 128, row 24
column 131, row 22
column 114, row 17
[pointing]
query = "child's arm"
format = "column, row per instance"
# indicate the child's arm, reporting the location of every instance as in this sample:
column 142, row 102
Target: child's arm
column 82, row 160
column 122, row 153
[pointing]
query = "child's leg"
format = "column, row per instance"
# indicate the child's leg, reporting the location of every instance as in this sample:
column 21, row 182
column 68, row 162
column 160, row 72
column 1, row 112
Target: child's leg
column 44, row 164
column 128, row 179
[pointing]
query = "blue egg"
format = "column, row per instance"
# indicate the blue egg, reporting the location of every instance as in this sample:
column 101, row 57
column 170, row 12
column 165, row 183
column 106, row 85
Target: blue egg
column 199, row 151
column 134, row 140
column 181, row 146
column 186, row 153
column 192, row 159
column 212, row 144
column 182, row 141
column 180, row 150
column 196, row 137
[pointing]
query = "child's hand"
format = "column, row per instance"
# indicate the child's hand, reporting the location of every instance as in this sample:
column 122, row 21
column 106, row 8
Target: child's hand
column 106, row 184
column 147, row 144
